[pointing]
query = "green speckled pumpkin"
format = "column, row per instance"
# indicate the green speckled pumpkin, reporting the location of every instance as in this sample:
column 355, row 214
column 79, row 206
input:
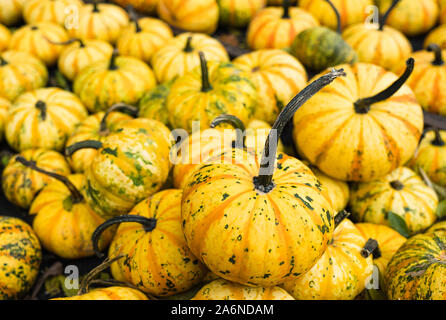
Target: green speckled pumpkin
column 20, row 257
column 236, row 13
column 153, row 104
column 418, row 270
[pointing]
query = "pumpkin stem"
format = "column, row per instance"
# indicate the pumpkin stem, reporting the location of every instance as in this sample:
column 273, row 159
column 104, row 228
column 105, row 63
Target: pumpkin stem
column 371, row 247
column 338, row 16
column 87, row 144
column 112, row 65
column 117, row 107
column 133, row 17
column 263, row 182
column 234, row 122
column 438, row 141
column 286, row 9
column 76, row 196
column 3, row 62
column 64, row 43
column 362, row 106
column 340, row 216
column 149, row 225
column 41, row 105
column 397, row 185
column 188, row 47
column 95, row 6
column 383, row 19
column 438, row 54
column 205, row 84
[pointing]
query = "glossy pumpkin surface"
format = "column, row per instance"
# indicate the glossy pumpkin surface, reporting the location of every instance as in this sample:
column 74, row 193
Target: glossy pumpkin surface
column 20, row 257
column 180, row 55
column 5, row 37
column 277, row 75
column 238, row 14
column 341, row 272
column 56, row 11
column 190, row 15
column 442, row 4
column 20, row 72
column 359, row 146
column 437, row 35
column 4, row 107
column 401, row 192
column 157, row 261
column 225, row 290
column 11, row 11
column 110, row 293
column 337, row 191
column 153, row 104
column 43, row 118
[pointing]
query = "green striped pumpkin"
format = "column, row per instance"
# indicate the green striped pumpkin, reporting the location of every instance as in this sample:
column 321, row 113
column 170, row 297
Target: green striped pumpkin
column 153, row 104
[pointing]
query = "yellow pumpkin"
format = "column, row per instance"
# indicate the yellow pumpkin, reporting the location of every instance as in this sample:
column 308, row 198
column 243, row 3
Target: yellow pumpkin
column 153, row 104
column 95, row 127
column 356, row 138
column 156, row 257
column 437, row 36
column 401, row 193
column 389, row 241
column 110, row 293
column 131, row 164
column 442, row 15
column 342, row 271
column 5, row 37
column 79, row 54
column 20, row 72
column 431, row 156
column 276, row 28
column 20, row 184
column 11, row 11
column 225, row 290
column 101, row 21
column 33, row 38
column 4, row 108
column 207, row 92
column 235, row 13
column 115, row 80
column 20, row 257
column 337, row 191
column 190, row 15
column 143, row 6
column 43, row 118
column 351, row 11
column 142, row 38
column 286, row 223
column 439, row 226
column 56, row 11
column 180, row 55
column 277, row 75
column 279, row 2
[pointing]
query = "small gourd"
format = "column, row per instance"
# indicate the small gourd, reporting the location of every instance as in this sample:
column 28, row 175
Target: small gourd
column 437, row 36
column 11, row 12
column 5, row 37
column 238, row 14
column 56, row 11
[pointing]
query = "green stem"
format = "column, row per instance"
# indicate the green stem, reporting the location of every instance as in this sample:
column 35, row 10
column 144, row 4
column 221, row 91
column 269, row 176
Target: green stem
column 87, row 144
column 133, row 17
column 438, row 141
column 236, row 123
column 383, row 19
column 95, row 6
column 338, row 16
column 438, row 54
column 286, row 9
column 397, row 185
column 41, row 105
column 188, row 47
column 64, row 43
column 371, row 247
column 3, row 62
column 340, row 216
column 205, row 84
column 112, row 65
column 117, row 107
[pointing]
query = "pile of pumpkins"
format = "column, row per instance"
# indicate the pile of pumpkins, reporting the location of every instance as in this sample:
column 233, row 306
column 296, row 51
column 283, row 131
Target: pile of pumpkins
column 159, row 149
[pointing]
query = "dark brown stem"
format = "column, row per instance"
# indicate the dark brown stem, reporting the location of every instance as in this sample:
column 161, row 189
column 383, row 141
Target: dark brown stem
column 112, row 65
column 87, row 144
column 362, row 106
column 149, row 225
column 188, row 47
column 371, row 247
column 397, row 185
column 286, row 9
column 383, row 19
column 433, row 47
column 41, row 105
column 236, row 123
column 117, row 107
column 76, row 196
column 438, row 141
column 133, row 17
column 64, row 43
column 338, row 16
column 340, row 216
column 205, row 84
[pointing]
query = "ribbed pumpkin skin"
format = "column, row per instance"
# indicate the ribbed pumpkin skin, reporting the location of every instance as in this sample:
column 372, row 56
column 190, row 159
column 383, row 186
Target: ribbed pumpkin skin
column 351, row 11
column 142, row 45
column 337, row 191
column 341, row 272
column 21, row 184
column 100, row 88
column 417, row 270
column 20, row 257
column 104, row 25
column 143, row 6
column 437, row 35
column 153, row 104
column 307, row 48
column 5, row 37
column 55, row 11
column 26, row 127
column 157, row 262
column 415, row 203
column 269, row 30
column 428, row 81
column 4, row 107
column 412, row 17
column 389, row 241
column 63, row 227
column 224, row 290
column 279, row 236
column 431, row 158
column 232, row 93
column 172, row 60
column 132, row 165
column 277, row 75
column 235, row 13
column 31, row 39
column 386, row 48
column 89, row 129
column 190, row 15
column 74, row 58
column 110, row 293
column 439, row 226
column 22, row 72
column 11, row 11
column 442, row 4
column 359, row 147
